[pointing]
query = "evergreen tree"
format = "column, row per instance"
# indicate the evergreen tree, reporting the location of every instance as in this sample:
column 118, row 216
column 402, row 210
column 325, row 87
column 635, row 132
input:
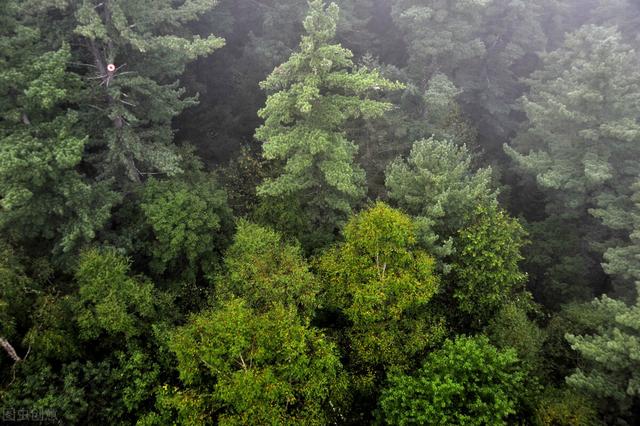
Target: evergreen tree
column 623, row 259
column 610, row 373
column 581, row 143
column 138, row 49
column 46, row 202
column 437, row 185
column 312, row 96
column 483, row 46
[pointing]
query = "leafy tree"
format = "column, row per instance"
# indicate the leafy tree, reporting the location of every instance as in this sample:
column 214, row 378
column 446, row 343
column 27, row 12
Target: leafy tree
column 382, row 284
column 239, row 366
column 190, row 222
column 47, row 203
column 92, row 356
column 485, row 265
column 467, row 382
column 18, row 295
column 438, row 185
column 566, row 408
column 610, row 369
column 312, row 96
column 512, row 328
column 265, row 270
column 109, row 301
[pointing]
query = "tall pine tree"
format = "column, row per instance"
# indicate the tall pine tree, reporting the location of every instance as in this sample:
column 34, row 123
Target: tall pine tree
column 138, row 49
column 312, row 96
column 582, row 143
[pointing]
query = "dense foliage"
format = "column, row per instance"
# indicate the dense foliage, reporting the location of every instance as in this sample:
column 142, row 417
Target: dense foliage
column 284, row 212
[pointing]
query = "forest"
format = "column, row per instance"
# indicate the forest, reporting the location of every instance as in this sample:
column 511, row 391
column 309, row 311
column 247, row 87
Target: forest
column 292, row 212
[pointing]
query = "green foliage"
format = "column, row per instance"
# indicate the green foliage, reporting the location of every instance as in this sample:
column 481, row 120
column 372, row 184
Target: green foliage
column 485, row 264
column 150, row 44
column 265, row 270
column 111, row 391
column 445, row 119
column 239, row 367
column 582, row 123
column 467, row 382
column 419, row 114
column 483, row 46
column 561, row 270
column 101, row 102
column 610, row 369
column 582, row 138
column 91, row 356
column 17, row 292
column 622, row 261
column 565, row 408
column 190, row 220
column 46, row 203
column 438, row 185
column 312, row 96
column 512, row 328
column 240, row 177
column 109, row 300
column 382, row 283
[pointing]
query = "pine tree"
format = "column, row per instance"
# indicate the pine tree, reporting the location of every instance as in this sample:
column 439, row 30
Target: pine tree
column 438, row 185
column 138, row 49
column 623, row 259
column 583, row 138
column 46, row 202
column 481, row 45
column 611, row 371
column 312, row 96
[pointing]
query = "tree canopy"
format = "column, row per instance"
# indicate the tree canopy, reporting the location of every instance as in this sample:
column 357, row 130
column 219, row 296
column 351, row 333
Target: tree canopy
column 320, row 212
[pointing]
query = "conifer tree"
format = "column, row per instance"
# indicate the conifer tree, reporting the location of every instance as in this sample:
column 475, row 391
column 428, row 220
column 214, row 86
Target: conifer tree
column 312, row 96
column 481, row 45
column 46, row 203
column 623, row 259
column 139, row 49
column 437, row 185
column 611, row 369
column 582, row 143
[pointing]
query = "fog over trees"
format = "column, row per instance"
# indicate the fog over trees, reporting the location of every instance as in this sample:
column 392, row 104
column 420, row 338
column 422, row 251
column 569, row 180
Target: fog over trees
column 288, row 212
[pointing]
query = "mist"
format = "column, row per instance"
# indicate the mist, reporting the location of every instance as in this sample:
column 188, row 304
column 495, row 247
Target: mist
column 314, row 212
